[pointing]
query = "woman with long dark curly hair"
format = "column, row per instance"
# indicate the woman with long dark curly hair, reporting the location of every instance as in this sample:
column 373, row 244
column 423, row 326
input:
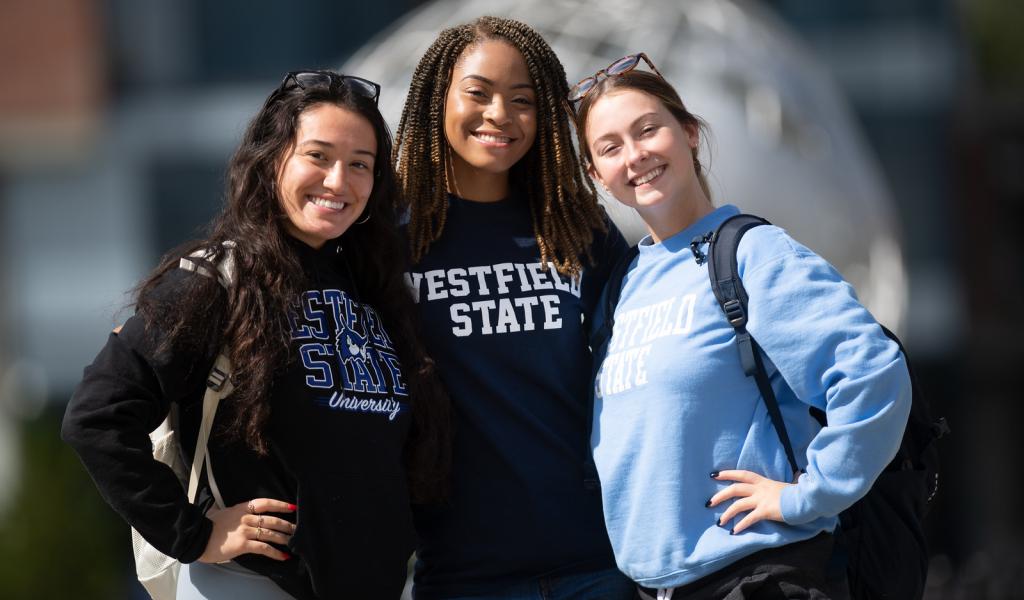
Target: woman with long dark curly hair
column 510, row 250
column 336, row 421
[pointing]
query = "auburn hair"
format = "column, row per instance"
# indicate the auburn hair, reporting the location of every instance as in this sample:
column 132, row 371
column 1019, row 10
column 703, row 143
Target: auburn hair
column 652, row 85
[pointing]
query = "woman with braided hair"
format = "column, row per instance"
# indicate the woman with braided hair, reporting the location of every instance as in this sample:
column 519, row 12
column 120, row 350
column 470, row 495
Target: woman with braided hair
column 509, row 251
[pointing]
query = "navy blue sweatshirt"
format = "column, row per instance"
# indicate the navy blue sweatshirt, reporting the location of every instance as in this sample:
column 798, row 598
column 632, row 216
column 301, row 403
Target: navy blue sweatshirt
column 339, row 420
column 508, row 336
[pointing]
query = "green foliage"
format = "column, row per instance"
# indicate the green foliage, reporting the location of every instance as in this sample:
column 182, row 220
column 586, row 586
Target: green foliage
column 58, row 539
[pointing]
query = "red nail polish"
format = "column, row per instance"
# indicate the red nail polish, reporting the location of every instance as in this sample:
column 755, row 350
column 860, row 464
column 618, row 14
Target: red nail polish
column 286, row 555
column 293, row 507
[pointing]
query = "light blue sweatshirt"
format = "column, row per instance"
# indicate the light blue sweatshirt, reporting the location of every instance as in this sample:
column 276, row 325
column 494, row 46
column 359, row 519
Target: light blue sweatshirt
column 672, row 403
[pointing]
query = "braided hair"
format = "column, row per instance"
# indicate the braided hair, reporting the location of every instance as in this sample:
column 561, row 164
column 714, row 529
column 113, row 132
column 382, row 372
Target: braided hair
column 562, row 199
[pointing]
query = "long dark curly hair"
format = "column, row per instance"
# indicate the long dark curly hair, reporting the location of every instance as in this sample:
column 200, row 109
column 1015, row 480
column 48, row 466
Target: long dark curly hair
column 249, row 320
column 563, row 201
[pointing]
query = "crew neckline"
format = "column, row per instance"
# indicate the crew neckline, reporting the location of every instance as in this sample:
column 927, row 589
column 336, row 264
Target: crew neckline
column 681, row 241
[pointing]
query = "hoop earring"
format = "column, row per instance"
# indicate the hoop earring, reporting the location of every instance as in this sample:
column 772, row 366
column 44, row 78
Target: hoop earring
column 364, row 219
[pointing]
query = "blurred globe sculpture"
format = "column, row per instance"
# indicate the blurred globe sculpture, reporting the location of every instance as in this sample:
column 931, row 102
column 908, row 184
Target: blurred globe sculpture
column 783, row 142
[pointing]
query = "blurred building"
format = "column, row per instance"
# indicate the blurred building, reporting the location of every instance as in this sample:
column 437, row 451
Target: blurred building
column 783, row 143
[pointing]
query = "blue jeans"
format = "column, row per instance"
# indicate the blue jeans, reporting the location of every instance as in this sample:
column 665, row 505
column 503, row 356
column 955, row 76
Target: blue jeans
column 609, row 584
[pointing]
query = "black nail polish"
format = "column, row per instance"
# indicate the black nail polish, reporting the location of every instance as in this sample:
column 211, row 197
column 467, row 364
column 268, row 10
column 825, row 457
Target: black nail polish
column 714, row 474
column 732, row 532
column 718, row 522
column 707, row 504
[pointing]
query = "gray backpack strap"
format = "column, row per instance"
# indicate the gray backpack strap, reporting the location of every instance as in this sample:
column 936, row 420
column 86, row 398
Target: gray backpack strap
column 220, row 266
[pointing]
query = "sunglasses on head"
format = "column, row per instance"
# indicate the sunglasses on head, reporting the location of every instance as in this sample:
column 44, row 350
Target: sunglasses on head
column 623, row 65
column 329, row 79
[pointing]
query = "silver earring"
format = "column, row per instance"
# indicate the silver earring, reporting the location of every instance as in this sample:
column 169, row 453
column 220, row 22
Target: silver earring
column 364, row 219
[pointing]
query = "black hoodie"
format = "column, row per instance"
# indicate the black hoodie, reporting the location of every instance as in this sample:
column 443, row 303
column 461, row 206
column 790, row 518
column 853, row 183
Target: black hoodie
column 339, row 420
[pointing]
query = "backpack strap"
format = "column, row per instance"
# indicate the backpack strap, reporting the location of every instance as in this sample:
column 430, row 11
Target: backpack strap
column 218, row 386
column 218, row 383
column 217, row 266
column 732, row 297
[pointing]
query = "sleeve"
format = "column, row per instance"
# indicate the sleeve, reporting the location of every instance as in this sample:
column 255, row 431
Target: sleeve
column 124, row 394
column 833, row 355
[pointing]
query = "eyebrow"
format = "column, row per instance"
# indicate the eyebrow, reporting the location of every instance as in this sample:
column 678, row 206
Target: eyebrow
column 631, row 125
column 331, row 146
column 515, row 86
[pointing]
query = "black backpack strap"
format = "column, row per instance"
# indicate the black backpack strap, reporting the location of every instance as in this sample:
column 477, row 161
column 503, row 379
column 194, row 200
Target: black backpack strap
column 732, row 297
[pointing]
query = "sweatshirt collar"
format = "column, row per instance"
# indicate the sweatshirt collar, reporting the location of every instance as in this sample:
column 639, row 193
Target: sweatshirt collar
column 681, row 241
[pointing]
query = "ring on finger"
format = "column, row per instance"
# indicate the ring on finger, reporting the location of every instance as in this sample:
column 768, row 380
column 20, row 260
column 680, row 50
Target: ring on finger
column 259, row 521
column 259, row 532
column 251, row 507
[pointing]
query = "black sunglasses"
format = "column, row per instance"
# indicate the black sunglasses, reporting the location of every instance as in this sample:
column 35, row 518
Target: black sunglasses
column 328, row 79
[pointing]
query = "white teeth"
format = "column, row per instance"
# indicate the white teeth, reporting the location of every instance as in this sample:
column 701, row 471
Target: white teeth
column 649, row 175
column 327, row 203
column 493, row 139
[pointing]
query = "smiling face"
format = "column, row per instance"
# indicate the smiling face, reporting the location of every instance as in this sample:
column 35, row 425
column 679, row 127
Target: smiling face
column 490, row 118
column 326, row 176
column 644, row 156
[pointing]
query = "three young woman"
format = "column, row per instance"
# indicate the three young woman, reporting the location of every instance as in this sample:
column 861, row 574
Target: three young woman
column 509, row 254
column 673, row 404
column 336, row 420
column 510, row 251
